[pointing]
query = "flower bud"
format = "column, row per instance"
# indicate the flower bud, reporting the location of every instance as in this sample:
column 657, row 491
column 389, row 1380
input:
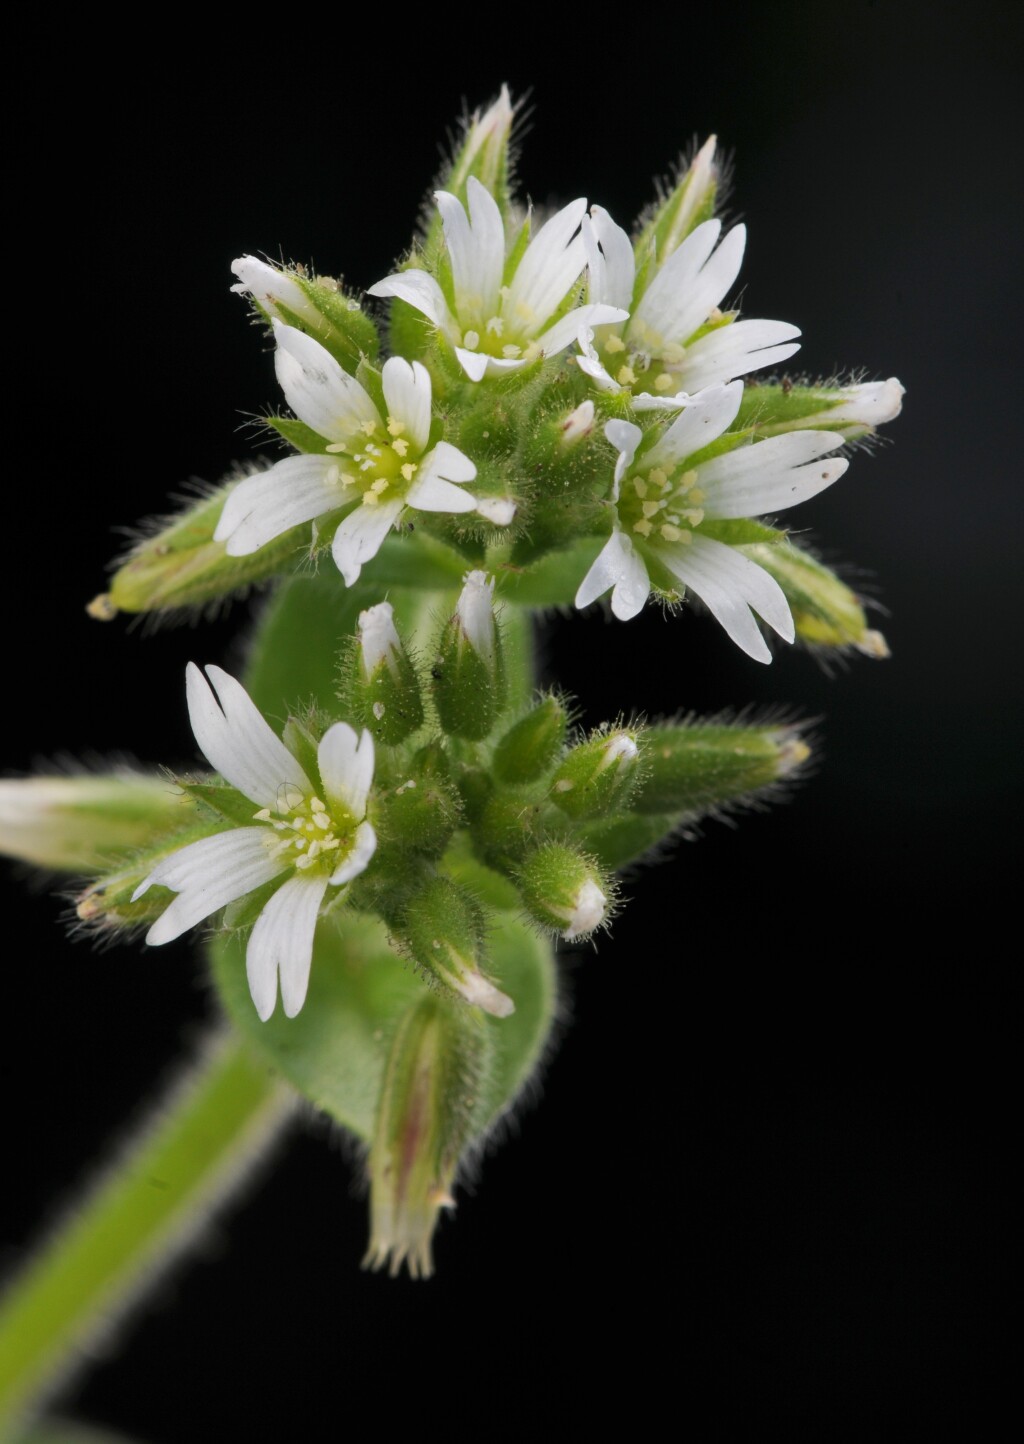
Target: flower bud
column 565, row 890
column 316, row 305
column 469, row 670
column 852, row 411
column 380, row 684
column 182, row 566
column 529, row 748
column 80, row 824
column 597, row 775
column 441, row 928
column 424, row 1122
column 484, row 153
column 421, row 811
column 698, row 766
column 691, row 201
column 577, row 424
column 826, row 612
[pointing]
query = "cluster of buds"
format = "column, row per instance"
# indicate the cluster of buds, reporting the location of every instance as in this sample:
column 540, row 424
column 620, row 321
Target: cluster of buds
column 564, row 418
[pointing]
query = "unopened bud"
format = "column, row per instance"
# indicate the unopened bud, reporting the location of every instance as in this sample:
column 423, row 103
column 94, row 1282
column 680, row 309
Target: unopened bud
column 852, row 411
column 699, row 766
column 691, row 201
column 380, row 684
column 424, row 1122
column 484, row 152
column 182, row 566
column 442, row 929
column 578, row 424
column 565, row 890
column 469, row 670
column 826, row 612
column 529, row 748
column 317, row 305
column 80, row 824
column 421, row 810
column 597, row 775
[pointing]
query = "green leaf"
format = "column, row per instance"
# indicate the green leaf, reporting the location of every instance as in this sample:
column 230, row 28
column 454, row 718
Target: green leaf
column 335, row 1051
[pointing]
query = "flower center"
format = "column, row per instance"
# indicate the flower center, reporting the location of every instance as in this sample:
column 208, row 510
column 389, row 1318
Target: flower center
column 308, row 835
column 657, row 506
column 507, row 334
column 379, row 468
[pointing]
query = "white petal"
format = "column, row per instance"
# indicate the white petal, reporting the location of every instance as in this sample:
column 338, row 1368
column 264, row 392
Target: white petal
column 620, row 567
column 407, row 393
column 270, row 503
column 346, row 767
column 363, row 847
column 500, row 510
column 448, row 461
column 736, row 350
column 361, row 535
column 319, row 392
column 613, row 267
column 476, row 363
column 645, row 401
column 679, row 300
column 770, row 475
column 433, row 493
column 420, row 291
column 237, row 741
column 701, row 421
column 207, row 875
column 551, row 264
column 567, row 329
column 271, row 287
column 282, row 942
column 476, row 248
column 590, row 366
column 625, row 437
column 729, row 584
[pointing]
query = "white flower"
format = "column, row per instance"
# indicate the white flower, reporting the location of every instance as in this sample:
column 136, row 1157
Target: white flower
column 374, row 466
column 312, row 833
column 676, row 340
column 273, row 289
column 497, row 326
column 663, row 508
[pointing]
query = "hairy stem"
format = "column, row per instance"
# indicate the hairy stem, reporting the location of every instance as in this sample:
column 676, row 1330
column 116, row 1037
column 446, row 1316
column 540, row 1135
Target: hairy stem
column 197, row 1147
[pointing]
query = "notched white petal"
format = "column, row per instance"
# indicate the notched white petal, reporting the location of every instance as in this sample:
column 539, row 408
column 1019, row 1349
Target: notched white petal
column 281, row 945
column 236, row 739
column 361, row 535
column 346, row 759
column 358, row 860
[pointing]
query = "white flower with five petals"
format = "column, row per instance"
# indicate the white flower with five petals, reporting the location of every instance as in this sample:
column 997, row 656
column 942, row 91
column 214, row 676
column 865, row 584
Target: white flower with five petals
column 666, row 510
column 373, row 466
column 676, row 340
column 500, row 322
column 310, row 834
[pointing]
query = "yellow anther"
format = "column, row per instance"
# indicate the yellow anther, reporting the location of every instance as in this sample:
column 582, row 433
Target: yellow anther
column 694, row 515
column 651, row 508
column 368, row 428
column 314, row 850
column 471, row 340
column 643, row 527
column 409, row 470
column 370, row 498
column 316, row 805
column 664, row 382
column 670, row 532
column 625, row 376
column 304, row 862
column 614, row 344
column 657, row 478
column 511, row 352
column 322, row 821
column 496, row 326
column 686, row 481
column 336, row 446
column 697, row 496
column 526, row 312
column 400, row 447
column 329, row 844
column 672, row 354
column 381, row 484
column 395, row 428
column 299, row 843
column 640, row 487
column 291, row 797
column 531, row 352
column 262, row 816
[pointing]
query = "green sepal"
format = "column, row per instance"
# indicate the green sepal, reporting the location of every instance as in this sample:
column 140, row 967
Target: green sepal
column 420, row 813
column 598, row 775
column 504, row 829
column 347, row 333
column 304, row 747
column 221, row 798
column 299, row 435
column 618, row 841
column 740, row 532
column 483, row 152
column 689, row 202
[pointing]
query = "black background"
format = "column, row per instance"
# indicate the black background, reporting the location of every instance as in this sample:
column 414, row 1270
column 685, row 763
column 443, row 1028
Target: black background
column 766, row 1181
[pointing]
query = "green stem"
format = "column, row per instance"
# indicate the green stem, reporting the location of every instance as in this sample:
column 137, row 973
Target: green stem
column 195, row 1149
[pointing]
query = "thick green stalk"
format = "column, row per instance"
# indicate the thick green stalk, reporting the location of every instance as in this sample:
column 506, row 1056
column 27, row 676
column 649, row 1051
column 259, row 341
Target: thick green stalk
column 196, row 1149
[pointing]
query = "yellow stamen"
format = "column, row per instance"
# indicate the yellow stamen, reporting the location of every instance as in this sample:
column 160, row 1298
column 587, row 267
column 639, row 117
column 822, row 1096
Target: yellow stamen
column 409, row 470
column 614, row 344
column 643, row 527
